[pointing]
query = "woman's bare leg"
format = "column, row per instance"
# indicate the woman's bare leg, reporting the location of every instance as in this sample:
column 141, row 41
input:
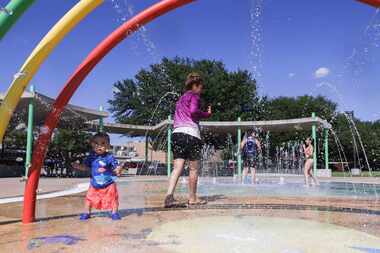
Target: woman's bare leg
column 310, row 172
column 178, row 168
column 306, row 172
column 253, row 172
column 245, row 174
column 193, row 181
column 315, row 180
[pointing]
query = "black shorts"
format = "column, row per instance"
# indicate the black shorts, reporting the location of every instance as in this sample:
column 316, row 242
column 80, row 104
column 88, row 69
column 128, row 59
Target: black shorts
column 186, row 147
column 250, row 161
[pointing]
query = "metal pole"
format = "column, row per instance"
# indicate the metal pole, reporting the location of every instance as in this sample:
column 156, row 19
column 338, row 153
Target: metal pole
column 29, row 138
column 146, row 148
column 169, row 147
column 267, row 150
column 101, row 121
column 239, row 162
column 326, row 135
column 314, row 136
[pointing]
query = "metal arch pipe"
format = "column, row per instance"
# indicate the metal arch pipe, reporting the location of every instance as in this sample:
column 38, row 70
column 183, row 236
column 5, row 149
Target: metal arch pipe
column 39, row 55
column 72, row 85
column 75, row 81
column 373, row 3
column 11, row 13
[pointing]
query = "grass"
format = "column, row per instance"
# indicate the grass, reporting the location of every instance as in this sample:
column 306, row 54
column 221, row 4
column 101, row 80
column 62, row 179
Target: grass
column 363, row 174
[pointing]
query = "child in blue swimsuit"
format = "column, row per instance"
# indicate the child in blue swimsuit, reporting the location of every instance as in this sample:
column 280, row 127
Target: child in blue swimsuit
column 102, row 193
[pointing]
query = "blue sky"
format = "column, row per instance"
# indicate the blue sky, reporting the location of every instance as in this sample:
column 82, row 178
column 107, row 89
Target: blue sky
column 299, row 37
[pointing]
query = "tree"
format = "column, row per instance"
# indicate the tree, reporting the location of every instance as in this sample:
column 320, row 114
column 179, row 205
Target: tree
column 150, row 97
column 351, row 148
column 300, row 107
column 297, row 107
column 15, row 136
column 69, row 144
column 70, row 141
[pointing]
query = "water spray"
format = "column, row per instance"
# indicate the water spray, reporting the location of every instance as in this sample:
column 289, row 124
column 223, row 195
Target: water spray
column 6, row 11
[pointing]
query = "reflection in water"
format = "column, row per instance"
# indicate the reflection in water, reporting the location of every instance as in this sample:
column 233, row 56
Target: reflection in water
column 58, row 239
column 285, row 187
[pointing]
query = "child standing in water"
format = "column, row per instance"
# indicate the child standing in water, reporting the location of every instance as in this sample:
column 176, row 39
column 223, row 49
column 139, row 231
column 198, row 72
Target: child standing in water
column 250, row 147
column 187, row 143
column 102, row 193
column 308, row 169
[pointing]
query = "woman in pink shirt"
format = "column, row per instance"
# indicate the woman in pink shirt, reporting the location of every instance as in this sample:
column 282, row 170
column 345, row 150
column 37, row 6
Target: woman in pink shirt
column 187, row 142
column 308, row 169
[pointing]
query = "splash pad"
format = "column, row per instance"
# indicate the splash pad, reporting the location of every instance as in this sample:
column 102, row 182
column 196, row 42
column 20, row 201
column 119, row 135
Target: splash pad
column 259, row 234
column 71, row 86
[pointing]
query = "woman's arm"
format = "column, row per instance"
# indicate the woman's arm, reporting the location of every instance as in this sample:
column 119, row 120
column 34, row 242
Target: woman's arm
column 195, row 108
column 242, row 144
column 309, row 150
column 258, row 144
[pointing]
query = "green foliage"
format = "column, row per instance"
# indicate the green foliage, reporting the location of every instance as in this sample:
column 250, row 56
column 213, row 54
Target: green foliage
column 369, row 134
column 151, row 95
column 135, row 100
column 233, row 94
column 297, row 107
column 69, row 143
column 300, row 107
column 15, row 139
column 15, row 136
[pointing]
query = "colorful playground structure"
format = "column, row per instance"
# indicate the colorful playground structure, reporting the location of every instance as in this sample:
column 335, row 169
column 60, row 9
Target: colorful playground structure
column 374, row 3
column 9, row 15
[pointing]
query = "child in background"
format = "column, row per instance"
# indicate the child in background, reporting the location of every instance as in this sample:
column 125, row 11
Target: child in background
column 250, row 146
column 102, row 193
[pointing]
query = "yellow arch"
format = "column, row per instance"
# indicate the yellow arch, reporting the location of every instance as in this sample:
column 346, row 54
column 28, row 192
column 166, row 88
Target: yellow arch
column 37, row 57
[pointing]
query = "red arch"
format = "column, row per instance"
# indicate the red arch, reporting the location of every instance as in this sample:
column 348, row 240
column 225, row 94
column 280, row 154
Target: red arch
column 75, row 81
column 72, row 85
column 374, row 3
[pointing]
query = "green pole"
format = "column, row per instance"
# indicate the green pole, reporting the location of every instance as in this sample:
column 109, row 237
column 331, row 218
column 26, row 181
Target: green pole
column 10, row 13
column 326, row 135
column 146, row 148
column 239, row 162
column 267, row 151
column 314, row 136
column 169, row 147
column 29, row 138
column 101, row 121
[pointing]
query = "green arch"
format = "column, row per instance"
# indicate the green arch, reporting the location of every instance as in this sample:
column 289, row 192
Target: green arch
column 11, row 13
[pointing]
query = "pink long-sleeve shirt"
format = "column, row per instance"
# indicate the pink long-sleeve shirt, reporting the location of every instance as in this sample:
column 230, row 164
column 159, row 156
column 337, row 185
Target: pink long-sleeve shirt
column 188, row 113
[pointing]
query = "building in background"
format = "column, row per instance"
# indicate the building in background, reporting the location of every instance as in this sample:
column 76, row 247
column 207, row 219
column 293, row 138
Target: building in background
column 134, row 151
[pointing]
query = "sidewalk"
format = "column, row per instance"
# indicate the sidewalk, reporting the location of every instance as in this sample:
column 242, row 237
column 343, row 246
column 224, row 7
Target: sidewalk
column 12, row 187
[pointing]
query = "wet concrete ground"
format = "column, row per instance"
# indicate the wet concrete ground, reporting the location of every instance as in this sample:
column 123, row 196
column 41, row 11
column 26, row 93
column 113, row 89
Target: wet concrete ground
column 14, row 187
column 247, row 223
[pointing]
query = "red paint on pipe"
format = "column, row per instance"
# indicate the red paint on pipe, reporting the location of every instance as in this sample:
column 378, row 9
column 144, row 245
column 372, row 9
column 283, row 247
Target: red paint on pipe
column 373, row 3
column 72, row 85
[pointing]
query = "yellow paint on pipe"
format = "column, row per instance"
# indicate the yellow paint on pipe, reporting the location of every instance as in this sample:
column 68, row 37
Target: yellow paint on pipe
column 38, row 56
